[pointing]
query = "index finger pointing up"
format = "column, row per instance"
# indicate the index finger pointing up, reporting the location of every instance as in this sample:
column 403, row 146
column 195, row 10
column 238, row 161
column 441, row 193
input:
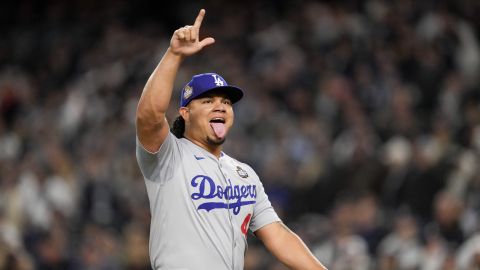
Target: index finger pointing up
column 199, row 19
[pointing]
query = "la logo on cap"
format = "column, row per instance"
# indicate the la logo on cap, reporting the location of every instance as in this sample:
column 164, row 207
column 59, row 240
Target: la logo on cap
column 218, row 80
column 187, row 92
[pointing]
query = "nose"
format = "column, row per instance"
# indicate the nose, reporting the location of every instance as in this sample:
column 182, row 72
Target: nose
column 219, row 106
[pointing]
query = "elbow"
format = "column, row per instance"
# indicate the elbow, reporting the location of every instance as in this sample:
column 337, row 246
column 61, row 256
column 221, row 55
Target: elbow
column 143, row 111
column 145, row 121
column 148, row 115
column 141, row 116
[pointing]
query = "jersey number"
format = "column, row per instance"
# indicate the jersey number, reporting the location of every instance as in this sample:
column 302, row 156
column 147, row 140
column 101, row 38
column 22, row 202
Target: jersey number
column 245, row 224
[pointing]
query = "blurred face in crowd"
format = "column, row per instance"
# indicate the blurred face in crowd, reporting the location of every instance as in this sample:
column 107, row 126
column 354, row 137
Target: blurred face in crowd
column 448, row 209
column 208, row 118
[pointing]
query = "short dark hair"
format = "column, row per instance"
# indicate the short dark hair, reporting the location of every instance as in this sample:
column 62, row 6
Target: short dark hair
column 178, row 127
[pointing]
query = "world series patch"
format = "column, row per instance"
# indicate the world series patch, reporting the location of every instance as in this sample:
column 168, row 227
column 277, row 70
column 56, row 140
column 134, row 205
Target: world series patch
column 187, row 92
column 242, row 172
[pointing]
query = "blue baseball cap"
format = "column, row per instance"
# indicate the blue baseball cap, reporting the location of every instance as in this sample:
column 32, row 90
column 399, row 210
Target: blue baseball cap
column 205, row 82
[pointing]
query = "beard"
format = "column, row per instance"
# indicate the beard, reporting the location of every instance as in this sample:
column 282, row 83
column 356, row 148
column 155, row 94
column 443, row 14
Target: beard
column 215, row 141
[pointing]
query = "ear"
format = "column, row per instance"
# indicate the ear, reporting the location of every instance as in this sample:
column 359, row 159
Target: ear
column 185, row 113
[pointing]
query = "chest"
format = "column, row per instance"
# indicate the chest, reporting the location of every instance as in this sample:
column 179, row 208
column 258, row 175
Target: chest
column 220, row 188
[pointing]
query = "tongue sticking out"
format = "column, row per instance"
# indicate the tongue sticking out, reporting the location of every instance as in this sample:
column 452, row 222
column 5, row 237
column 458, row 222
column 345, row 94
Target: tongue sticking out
column 219, row 129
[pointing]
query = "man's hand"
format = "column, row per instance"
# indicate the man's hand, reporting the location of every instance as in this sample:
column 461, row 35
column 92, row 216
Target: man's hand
column 185, row 41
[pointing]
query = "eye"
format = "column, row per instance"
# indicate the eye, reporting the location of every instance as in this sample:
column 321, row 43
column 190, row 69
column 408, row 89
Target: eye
column 207, row 100
column 227, row 102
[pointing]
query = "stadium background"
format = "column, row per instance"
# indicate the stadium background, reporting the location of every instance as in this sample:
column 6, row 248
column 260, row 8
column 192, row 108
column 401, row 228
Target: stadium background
column 361, row 117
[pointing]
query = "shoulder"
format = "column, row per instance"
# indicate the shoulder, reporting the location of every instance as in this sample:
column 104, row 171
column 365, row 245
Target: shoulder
column 243, row 169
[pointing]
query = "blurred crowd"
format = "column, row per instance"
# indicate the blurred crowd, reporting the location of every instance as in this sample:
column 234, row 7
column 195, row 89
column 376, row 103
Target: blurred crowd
column 362, row 119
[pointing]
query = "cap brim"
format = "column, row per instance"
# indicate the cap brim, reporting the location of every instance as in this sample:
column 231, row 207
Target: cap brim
column 233, row 93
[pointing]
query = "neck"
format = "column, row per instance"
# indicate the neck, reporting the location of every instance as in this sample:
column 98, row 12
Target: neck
column 216, row 150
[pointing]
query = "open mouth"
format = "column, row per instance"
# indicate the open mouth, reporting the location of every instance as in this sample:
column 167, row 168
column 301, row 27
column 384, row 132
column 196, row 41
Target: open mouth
column 217, row 120
column 218, row 126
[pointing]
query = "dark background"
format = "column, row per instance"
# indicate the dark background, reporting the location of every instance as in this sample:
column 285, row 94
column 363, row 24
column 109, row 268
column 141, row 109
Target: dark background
column 362, row 119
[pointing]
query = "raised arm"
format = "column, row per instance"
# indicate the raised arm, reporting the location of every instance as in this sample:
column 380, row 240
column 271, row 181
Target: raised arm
column 152, row 126
column 288, row 247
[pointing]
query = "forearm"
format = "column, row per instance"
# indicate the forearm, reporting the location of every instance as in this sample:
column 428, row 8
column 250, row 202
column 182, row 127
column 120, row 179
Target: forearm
column 290, row 249
column 154, row 101
column 296, row 255
column 157, row 92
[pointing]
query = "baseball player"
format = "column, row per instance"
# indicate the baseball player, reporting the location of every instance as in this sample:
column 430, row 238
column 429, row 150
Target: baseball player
column 202, row 201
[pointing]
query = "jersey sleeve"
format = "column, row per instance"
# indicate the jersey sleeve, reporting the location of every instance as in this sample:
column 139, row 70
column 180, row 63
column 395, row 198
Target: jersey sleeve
column 158, row 166
column 263, row 212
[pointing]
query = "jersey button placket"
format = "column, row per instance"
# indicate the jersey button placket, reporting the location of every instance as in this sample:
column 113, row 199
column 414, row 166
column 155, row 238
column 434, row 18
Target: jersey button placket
column 223, row 171
column 230, row 217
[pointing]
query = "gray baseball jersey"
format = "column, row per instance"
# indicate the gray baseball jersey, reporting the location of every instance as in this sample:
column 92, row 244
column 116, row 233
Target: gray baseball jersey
column 202, row 206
